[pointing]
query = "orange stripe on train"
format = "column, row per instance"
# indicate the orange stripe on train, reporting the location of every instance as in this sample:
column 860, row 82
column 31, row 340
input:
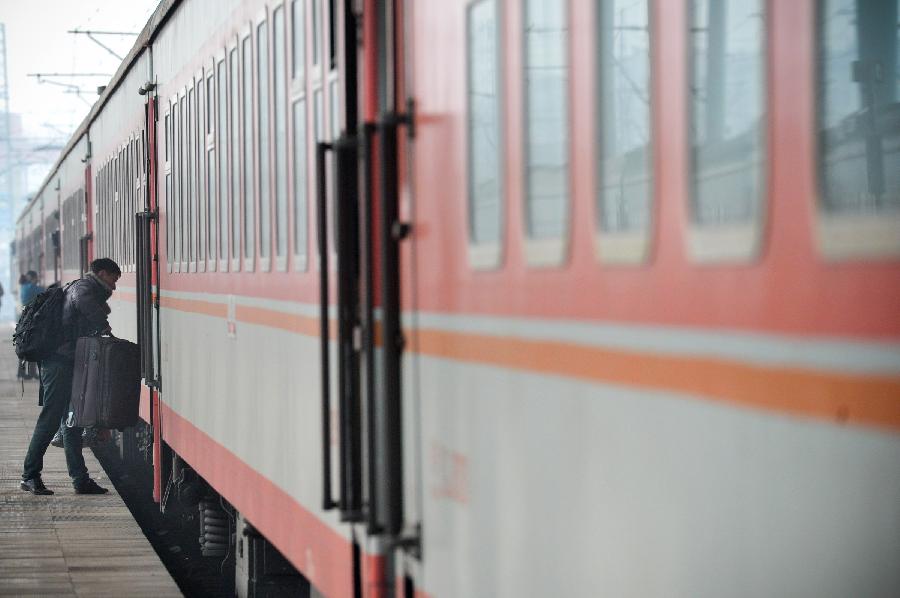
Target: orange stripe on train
column 844, row 398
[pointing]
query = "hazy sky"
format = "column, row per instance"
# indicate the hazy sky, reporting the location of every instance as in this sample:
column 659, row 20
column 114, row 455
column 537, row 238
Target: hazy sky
column 37, row 42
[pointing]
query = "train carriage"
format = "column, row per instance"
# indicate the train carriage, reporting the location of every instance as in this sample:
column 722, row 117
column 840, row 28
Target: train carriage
column 496, row 298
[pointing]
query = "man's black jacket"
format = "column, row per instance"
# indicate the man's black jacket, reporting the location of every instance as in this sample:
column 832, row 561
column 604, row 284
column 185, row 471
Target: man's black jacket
column 85, row 312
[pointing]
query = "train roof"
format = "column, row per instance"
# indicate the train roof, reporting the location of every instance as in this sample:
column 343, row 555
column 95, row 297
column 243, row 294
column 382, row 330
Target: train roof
column 146, row 36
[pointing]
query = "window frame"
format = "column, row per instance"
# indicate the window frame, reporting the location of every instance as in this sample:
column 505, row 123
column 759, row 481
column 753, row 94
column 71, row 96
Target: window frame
column 281, row 105
column 299, row 256
column 248, row 114
column 117, row 205
column 842, row 237
column 222, row 185
column 730, row 243
column 128, row 216
column 191, row 174
column 211, row 170
column 297, row 71
column 132, row 201
column 181, row 249
column 625, row 248
column 487, row 256
column 264, row 180
column 199, row 173
column 167, row 178
column 236, row 146
column 548, row 252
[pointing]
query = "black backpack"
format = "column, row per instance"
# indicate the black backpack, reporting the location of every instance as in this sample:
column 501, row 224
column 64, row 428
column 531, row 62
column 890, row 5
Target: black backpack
column 39, row 331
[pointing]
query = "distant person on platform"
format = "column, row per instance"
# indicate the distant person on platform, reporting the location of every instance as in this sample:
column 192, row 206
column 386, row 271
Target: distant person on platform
column 29, row 287
column 85, row 313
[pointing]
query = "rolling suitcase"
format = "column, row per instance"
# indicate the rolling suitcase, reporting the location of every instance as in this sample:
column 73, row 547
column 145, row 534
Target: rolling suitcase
column 106, row 384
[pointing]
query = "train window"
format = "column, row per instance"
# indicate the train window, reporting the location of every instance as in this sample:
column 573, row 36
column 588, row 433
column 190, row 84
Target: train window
column 200, row 199
column 728, row 94
column 859, row 128
column 318, row 115
column 67, row 231
column 102, row 209
column 212, row 214
column 485, row 184
column 183, row 226
column 315, row 18
column 298, row 39
column 129, row 201
column 116, row 176
column 174, row 222
column 132, row 202
column 624, row 166
column 121, row 201
column 106, row 210
column 190, row 146
column 263, row 110
column 334, row 94
column 332, row 34
column 64, row 232
column 167, row 144
column 128, row 194
column 300, row 184
column 249, row 216
column 70, row 232
column 101, row 199
column 210, row 102
column 281, row 201
column 118, row 238
column 546, row 135
column 234, row 151
column 222, row 132
column 121, row 198
column 117, row 197
column 127, row 206
column 116, row 232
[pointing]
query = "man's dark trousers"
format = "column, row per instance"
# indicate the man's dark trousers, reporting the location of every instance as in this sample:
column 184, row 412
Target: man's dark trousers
column 56, row 378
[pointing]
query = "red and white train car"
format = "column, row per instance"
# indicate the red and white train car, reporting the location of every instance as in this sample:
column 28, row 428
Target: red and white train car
column 514, row 298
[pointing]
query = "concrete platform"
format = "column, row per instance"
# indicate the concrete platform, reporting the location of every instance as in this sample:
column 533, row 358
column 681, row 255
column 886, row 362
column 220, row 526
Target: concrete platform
column 65, row 544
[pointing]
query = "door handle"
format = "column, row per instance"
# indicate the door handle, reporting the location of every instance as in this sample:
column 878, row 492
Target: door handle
column 322, row 149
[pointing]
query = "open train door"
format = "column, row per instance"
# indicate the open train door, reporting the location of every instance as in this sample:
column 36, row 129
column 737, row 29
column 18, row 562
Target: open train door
column 363, row 242
column 391, row 414
column 147, row 281
column 85, row 242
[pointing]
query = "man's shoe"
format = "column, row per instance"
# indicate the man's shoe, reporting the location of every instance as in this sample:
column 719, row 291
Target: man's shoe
column 35, row 486
column 57, row 439
column 90, row 487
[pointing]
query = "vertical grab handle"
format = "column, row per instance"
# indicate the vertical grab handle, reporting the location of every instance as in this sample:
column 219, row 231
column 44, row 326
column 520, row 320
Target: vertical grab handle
column 322, row 148
column 390, row 233
column 143, row 277
column 368, row 319
column 346, row 230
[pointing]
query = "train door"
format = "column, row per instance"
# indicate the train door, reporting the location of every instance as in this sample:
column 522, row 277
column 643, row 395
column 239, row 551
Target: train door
column 53, row 234
column 392, row 482
column 146, row 222
column 334, row 94
column 363, row 241
column 85, row 242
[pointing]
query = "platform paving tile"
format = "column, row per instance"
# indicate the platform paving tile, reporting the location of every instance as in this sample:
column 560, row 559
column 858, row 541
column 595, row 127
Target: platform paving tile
column 66, row 544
